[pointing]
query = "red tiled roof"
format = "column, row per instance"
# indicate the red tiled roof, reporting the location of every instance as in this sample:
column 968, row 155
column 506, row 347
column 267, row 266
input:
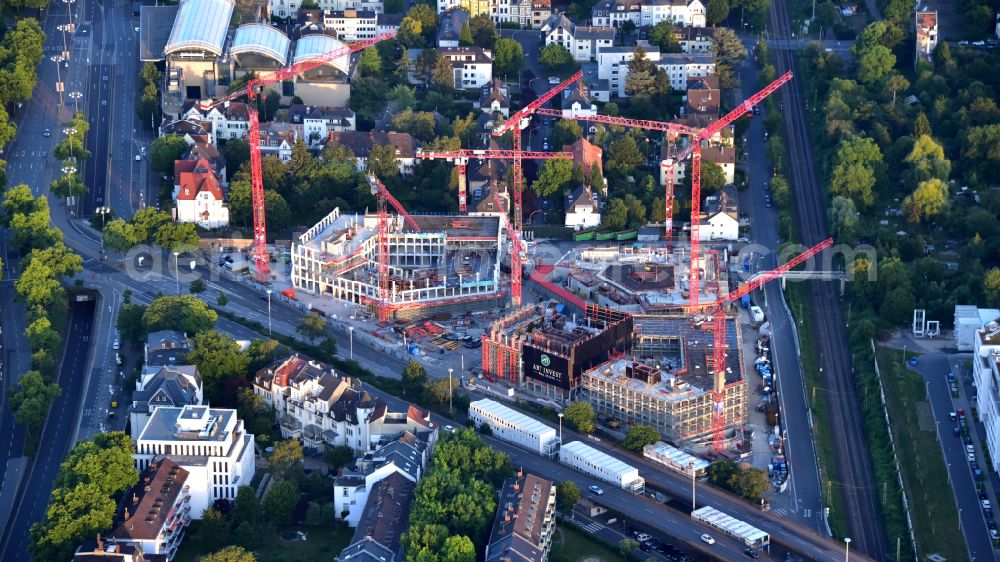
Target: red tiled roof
column 585, row 154
column 199, row 179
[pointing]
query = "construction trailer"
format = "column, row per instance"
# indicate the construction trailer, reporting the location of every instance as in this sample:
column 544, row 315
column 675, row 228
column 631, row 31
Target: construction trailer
column 448, row 264
column 602, row 466
column 511, row 425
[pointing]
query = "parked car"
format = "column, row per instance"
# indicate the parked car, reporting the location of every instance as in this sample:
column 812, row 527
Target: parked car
column 972, row 457
column 643, row 537
column 708, row 538
column 752, row 553
column 449, row 428
column 47, row 133
column 767, row 201
column 952, row 416
column 596, row 490
column 970, row 449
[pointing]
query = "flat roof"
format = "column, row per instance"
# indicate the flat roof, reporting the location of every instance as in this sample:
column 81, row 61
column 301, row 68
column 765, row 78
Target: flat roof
column 715, row 518
column 200, row 25
column 698, row 345
column 599, row 458
column 669, row 453
column 153, row 35
column 190, row 423
column 522, row 421
column 458, row 226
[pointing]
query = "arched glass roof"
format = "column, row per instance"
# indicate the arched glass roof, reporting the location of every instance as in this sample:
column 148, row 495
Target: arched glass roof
column 310, row 46
column 260, row 39
column 200, row 25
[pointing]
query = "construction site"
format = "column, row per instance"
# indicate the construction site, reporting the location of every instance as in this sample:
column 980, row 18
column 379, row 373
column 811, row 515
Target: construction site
column 436, row 264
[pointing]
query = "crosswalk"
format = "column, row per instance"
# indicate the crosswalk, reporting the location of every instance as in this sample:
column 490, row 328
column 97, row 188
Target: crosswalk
column 592, row 527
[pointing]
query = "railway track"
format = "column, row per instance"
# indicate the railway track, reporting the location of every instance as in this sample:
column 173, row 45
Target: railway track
column 854, row 473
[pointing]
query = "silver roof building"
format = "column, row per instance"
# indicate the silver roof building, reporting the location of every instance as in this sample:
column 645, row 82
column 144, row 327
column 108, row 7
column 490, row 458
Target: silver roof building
column 200, row 25
column 315, row 45
column 261, row 40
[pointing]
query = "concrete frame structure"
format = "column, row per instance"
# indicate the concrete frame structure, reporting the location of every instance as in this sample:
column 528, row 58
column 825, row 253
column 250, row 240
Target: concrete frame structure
column 451, row 263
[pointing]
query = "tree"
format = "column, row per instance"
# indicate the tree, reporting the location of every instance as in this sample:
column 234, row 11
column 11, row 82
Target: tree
column 749, row 482
column 31, row 401
column 991, row 287
column 553, row 178
column 644, row 78
column 565, row 132
column 370, row 63
column 68, row 185
column 640, row 435
column 230, row 554
column 339, row 456
column 198, row 286
column 728, row 47
column 403, row 96
column 218, row 359
column 286, row 460
column 17, row 201
column 246, row 508
column 214, row 526
column 843, row 215
column 41, row 335
column 720, row 472
column 755, row 13
column 382, row 161
column 713, row 178
column 567, row 496
column 280, row 501
column 716, row 11
column 183, row 313
column 458, row 549
column 484, row 32
column 927, row 160
column 414, row 378
column 626, row 546
column 624, row 155
column 853, row 173
column 104, row 461
column 164, row 151
column 436, row 391
column 555, row 56
column 58, row 257
column 662, row 35
column 508, row 57
column 615, row 215
column 896, row 82
column 581, row 415
column 875, row 63
column 130, row 324
column 74, row 515
column 443, row 76
column 636, row 210
column 927, row 201
column 311, row 326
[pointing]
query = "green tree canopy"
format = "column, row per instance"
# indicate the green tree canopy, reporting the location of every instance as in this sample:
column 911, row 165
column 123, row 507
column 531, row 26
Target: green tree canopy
column 508, row 57
column 640, row 435
column 615, row 215
column 414, row 377
column 218, row 359
column 280, row 501
column 567, row 496
column 285, row 460
column 164, row 151
column 183, row 313
column 230, row 554
column 555, row 56
column 312, row 327
column 662, row 35
column 105, row 462
column 624, row 155
column 565, row 132
column 581, row 415
column 31, row 400
column 555, row 176
column 716, row 11
column 928, row 201
column 484, row 32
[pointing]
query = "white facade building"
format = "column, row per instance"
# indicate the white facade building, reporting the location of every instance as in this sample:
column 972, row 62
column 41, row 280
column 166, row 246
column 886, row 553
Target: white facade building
column 198, row 198
column 968, row 321
column 645, row 13
column 612, row 65
column 283, row 9
column 230, row 120
column 682, row 66
column 583, row 42
column 351, row 24
column 720, row 219
column 511, row 425
column 604, row 467
column 986, row 376
column 211, row 444
column 582, row 209
column 473, row 67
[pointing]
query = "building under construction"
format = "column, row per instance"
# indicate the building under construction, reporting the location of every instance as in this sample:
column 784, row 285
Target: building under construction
column 668, row 378
column 440, row 264
column 544, row 351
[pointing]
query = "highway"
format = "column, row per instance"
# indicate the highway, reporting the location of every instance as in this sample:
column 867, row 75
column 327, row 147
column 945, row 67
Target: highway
column 854, row 479
column 803, row 485
column 56, row 439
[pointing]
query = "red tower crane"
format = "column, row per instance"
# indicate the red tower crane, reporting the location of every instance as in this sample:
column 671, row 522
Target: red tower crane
column 252, row 90
column 462, row 156
column 694, row 151
column 515, row 124
column 716, row 309
column 383, row 196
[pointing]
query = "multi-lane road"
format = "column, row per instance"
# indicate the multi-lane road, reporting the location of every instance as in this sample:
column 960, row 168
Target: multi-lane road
column 854, row 477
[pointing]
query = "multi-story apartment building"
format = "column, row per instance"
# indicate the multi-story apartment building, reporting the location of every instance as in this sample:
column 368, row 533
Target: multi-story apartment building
column 378, row 537
column 314, row 124
column 322, row 408
column 525, row 13
column 612, row 65
column 165, row 385
column 156, row 511
column 644, row 13
column 525, row 520
column 211, row 444
column 986, row 376
column 405, row 455
column 284, row 9
column 230, row 120
column 351, row 24
column 583, row 42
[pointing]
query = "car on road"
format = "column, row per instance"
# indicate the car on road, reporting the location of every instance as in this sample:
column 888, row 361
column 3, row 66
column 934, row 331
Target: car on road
column 554, row 80
column 596, row 490
column 643, row 537
column 752, row 553
column 743, row 240
column 970, row 449
column 708, row 538
column 986, row 504
column 756, row 110
column 961, row 414
column 767, row 201
column 117, row 345
column 972, row 457
column 952, row 416
column 47, row 133
column 449, row 428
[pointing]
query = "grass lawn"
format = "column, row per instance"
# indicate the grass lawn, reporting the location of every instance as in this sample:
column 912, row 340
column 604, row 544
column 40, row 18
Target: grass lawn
column 796, row 295
column 321, row 545
column 571, row 544
column 925, row 477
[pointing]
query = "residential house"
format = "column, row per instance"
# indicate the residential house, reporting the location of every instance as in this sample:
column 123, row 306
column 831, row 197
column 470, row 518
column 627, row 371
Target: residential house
column 722, row 155
column 211, row 444
column 230, row 120
column 472, row 67
column 528, row 14
column 450, row 24
column 378, row 537
column 388, row 22
column 583, row 42
column 495, row 98
column 361, row 144
column 680, row 67
column 576, row 102
column 201, row 150
column 473, row 7
column 313, row 124
column 165, row 347
column 612, row 65
column 703, row 97
column 189, row 129
column 695, row 39
column 647, row 13
column 525, row 520
column 284, row 9
column 322, row 408
column 277, row 139
column 156, row 512
column 586, row 155
column 198, row 197
column 163, row 385
column 582, row 208
column 102, row 551
column 405, row 455
column 927, row 35
column 720, row 218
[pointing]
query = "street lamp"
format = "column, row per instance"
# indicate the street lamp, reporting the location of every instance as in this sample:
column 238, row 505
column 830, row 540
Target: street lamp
column 103, row 211
column 847, row 549
column 58, row 59
column 350, row 331
column 75, row 96
column 691, row 470
column 269, row 291
column 449, row 389
column 64, row 28
column 560, row 428
column 177, row 275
